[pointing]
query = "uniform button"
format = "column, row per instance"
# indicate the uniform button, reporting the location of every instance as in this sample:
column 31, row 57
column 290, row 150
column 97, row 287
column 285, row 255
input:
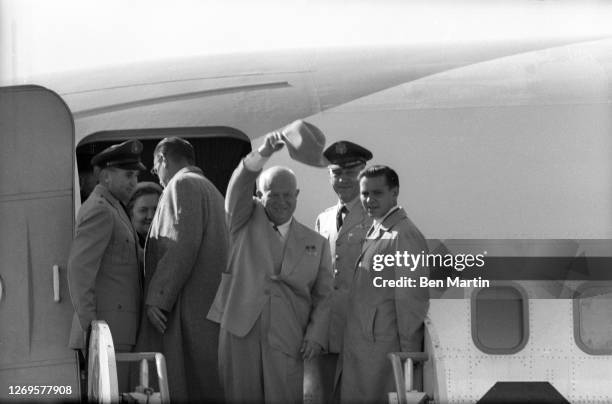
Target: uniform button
column 337, row 256
column 336, row 271
column 274, row 277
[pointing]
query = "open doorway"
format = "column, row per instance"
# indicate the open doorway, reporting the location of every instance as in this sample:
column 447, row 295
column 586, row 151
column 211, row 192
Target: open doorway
column 218, row 151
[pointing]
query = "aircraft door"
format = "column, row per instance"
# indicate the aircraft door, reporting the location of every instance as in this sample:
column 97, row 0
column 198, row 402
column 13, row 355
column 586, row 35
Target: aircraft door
column 36, row 217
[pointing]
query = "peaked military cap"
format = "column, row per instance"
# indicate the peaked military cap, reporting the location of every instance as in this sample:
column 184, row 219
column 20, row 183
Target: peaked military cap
column 124, row 155
column 346, row 154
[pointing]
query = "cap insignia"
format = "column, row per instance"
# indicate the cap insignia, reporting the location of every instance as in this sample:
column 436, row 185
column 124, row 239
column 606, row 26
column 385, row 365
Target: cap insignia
column 341, row 148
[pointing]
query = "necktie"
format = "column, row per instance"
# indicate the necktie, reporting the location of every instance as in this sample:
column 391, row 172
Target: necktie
column 278, row 233
column 340, row 217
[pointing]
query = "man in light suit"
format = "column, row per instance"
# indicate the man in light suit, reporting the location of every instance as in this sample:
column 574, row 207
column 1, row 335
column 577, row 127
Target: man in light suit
column 104, row 276
column 272, row 302
column 344, row 225
column 185, row 253
column 381, row 319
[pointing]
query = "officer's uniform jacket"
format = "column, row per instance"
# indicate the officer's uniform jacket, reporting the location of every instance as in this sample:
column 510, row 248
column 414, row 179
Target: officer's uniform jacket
column 295, row 282
column 104, row 274
column 345, row 248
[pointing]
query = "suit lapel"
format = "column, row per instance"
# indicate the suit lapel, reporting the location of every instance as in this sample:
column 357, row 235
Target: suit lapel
column 105, row 193
column 367, row 244
column 295, row 247
column 384, row 227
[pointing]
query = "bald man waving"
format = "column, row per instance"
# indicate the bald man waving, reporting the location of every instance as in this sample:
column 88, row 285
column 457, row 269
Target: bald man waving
column 272, row 303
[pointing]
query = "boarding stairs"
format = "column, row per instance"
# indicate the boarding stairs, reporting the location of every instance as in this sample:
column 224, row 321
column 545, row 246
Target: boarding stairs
column 102, row 386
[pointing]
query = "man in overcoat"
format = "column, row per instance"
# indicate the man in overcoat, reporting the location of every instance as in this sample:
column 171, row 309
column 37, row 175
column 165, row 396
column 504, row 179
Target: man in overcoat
column 344, row 225
column 104, row 276
column 272, row 303
column 382, row 319
column 185, row 253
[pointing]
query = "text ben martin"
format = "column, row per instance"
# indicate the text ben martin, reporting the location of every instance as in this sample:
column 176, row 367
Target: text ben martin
column 409, row 261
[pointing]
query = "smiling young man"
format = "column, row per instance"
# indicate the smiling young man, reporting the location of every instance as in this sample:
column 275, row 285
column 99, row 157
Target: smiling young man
column 381, row 320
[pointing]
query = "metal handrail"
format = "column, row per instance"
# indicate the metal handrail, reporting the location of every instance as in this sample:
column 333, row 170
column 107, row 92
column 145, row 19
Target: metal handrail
column 404, row 377
column 160, row 365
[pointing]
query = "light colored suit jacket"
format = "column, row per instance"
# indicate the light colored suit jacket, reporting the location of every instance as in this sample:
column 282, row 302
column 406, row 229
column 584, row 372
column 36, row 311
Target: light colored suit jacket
column 382, row 319
column 104, row 275
column 185, row 253
column 297, row 291
column 345, row 250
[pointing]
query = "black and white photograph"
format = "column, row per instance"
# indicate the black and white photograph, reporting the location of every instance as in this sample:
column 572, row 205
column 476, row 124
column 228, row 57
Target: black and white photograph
column 311, row 202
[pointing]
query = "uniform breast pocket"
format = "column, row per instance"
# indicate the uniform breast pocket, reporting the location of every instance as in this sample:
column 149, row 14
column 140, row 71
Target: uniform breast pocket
column 356, row 235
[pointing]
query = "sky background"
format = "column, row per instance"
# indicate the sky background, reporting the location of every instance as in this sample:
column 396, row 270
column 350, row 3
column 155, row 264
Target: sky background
column 41, row 36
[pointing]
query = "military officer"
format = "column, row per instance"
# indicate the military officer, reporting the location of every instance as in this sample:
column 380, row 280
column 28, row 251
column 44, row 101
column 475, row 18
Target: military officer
column 345, row 226
column 104, row 275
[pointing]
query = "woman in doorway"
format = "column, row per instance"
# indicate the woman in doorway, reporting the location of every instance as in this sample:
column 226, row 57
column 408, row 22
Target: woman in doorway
column 141, row 208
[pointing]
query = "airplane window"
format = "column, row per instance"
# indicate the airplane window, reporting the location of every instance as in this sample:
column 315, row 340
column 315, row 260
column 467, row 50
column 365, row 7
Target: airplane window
column 592, row 319
column 500, row 319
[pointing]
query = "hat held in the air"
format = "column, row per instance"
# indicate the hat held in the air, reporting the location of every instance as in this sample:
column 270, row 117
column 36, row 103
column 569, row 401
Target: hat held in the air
column 124, row 155
column 305, row 143
column 346, row 154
